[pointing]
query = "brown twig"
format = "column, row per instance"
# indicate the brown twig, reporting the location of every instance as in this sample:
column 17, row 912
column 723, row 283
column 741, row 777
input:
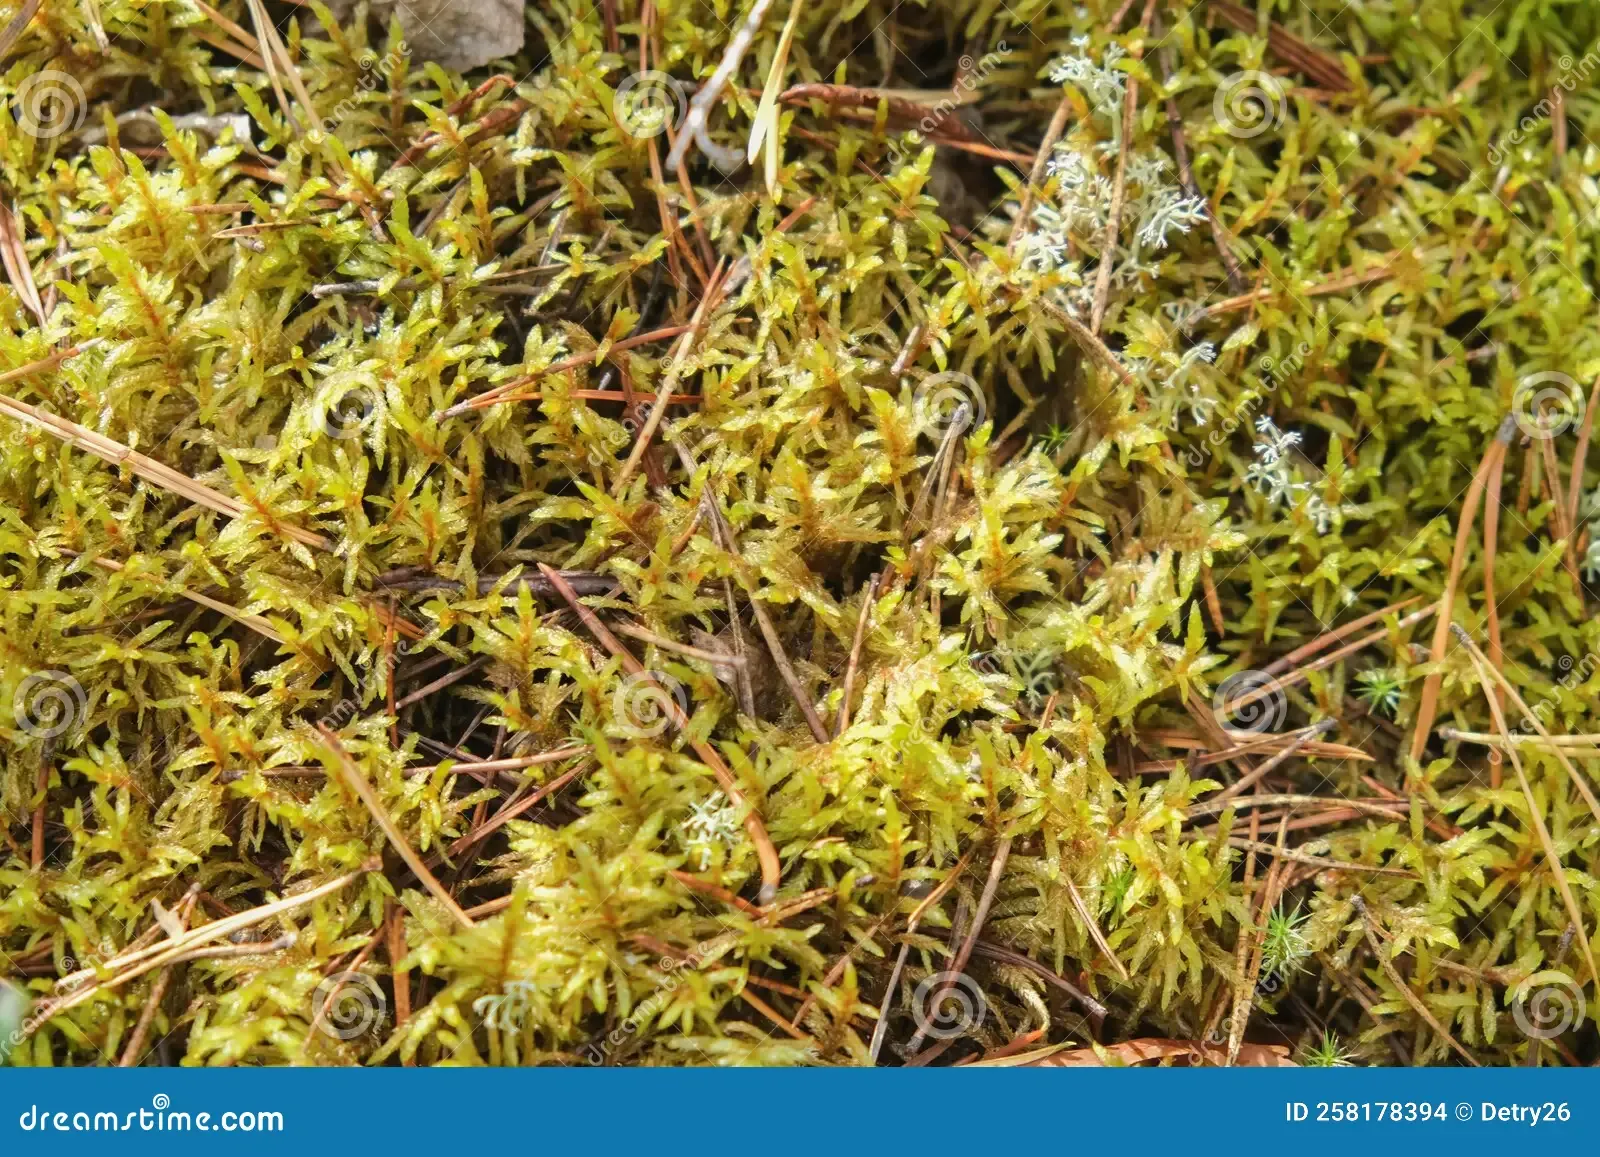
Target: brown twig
column 867, row 599
column 766, row 853
column 1428, row 705
column 997, row 869
column 1404, row 989
column 15, row 26
column 352, row 777
column 1180, row 150
column 1328, row 638
column 1315, row 63
column 1255, row 776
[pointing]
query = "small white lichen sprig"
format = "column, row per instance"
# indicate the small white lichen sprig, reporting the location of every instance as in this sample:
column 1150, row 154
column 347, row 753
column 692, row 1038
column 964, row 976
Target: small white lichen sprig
column 1073, row 217
column 711, row 822
column 1272, row 474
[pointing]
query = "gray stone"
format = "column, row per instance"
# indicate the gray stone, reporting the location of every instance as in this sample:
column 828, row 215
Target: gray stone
column 458, row 34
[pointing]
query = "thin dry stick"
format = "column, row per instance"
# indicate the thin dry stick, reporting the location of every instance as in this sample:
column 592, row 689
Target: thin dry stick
column 1093, row 927
column 1429, row 703
column 116, row 454
column 1301, row 674
column 1008, row 956
column 1119, row 192
column 694, row 125
column 645, row 636
column 14, row 28
column 1255, row 776
column 1552, row 856
column 396, row 948
column 152, row 1004
column 138, row 962
column 506, row 815
column 867, row 600
column 506, row 391
column 1085, row 337
column 1489, row 739
column 1180, row 151
column 766, row 853
column 229, row 951
column 446, row 680
column 41, row 787
column 1561, row 528
column 1241, row 948
column 780, row 658
column 1244, row 995
column 351, row 774
column 1483, row 664
column 353, row 967
column 1328, row 638
column 255, row 622
column 1315, row 861
column 45, row 364
column 14, row 255
column 1405, row 989
column 1491, row 542
column 658, row 408
column 1580, row 456
column 1052, row 134
column 917, row 913
column 1386, row 809
column 958, row 965
column 772, row 1014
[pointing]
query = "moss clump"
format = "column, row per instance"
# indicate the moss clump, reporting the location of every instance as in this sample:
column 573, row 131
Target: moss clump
column 1039, row 411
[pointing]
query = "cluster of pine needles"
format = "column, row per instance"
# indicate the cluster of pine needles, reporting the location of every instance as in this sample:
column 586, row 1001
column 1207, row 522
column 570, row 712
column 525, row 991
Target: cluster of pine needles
column 899, row 532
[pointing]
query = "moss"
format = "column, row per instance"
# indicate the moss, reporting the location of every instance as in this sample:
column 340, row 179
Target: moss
column 1067, row 467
